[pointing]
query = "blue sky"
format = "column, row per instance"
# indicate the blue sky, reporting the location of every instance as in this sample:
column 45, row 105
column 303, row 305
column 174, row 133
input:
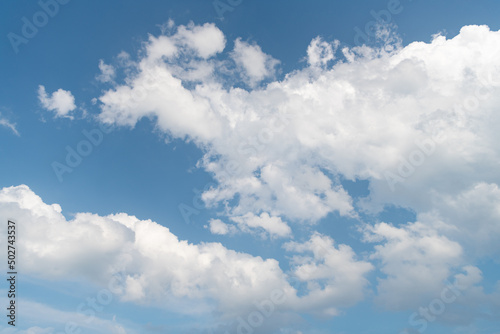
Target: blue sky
column 236, row 151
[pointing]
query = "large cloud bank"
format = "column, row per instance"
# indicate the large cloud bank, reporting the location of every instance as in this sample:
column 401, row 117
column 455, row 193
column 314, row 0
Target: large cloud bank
column 419, row 122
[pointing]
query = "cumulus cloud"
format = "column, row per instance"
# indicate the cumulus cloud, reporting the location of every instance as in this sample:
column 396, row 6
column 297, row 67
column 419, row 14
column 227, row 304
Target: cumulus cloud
column 274, row 226
column 60, row 101
column 206, row 40
column 422, row 259
column 282, row 148
column 320, row 52
column 107, row 72
column 418, row 122
column 416, row 259
column 217, row 226
column 255, row 64
column 264, row 225
column 145, row 263
column 331, row 273
column 192, row 40
column 472, row 217
column 423, row 269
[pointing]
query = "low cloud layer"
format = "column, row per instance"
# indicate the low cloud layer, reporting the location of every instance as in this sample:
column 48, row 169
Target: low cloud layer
column 145, row 263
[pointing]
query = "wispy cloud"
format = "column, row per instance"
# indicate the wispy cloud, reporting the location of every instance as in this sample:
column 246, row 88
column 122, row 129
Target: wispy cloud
column 12, row 126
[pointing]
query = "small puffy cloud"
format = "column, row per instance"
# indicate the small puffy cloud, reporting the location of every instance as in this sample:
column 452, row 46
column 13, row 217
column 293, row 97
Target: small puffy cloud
column 256, row 65
column 207, row 40
column 61, row 101
column 263, row 224
column 159, row 47
column 217, row 226
column 107, row 72
column 274, row 226
column 320, row 52
column 192, row 40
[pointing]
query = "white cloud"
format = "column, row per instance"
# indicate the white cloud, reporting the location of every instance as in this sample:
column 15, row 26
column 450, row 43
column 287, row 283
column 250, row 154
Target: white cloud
column 320, row 52
column 421, row 260
column 255, row 65
column 416, row 259
column 50, row 320
column 12, row 126
column 264, row 225
column 331, row 273
column 207, row 40
column 282, row 148
column 162, row 46
column 217, row 226
column 194, row 41
column 472, row 217
column 148, row 264
column 107, row 72
column 272, row 225
column 61, row 101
